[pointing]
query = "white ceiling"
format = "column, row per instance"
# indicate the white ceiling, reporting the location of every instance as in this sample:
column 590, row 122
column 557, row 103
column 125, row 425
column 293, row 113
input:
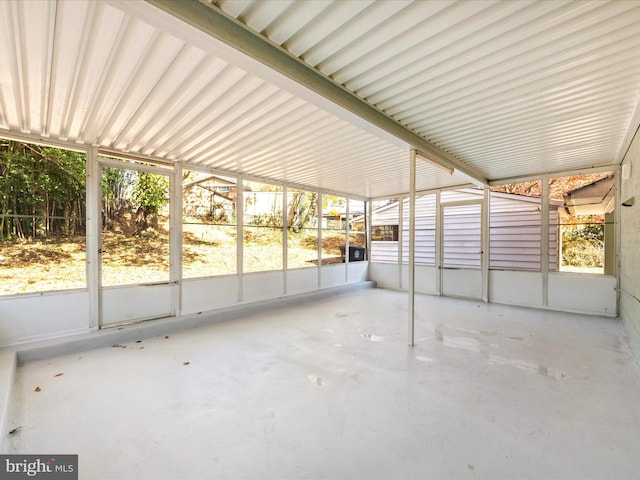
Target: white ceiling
column 508, row 88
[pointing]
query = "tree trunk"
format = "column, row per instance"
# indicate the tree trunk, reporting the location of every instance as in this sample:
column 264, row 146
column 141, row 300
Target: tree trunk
column 67, row 220
column 18, row 225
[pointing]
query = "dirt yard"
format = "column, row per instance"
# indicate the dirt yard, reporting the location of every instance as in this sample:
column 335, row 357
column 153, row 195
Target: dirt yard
column 29, row 267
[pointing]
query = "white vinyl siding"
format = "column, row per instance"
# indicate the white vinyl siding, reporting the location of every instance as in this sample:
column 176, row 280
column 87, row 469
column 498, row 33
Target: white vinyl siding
column 515, row 231
column 554, row 245
column 461, row 236
column 385, row 251
column 425, row 230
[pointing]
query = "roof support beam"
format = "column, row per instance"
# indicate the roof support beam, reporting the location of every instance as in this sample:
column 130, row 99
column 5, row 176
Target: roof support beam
column 215, row 23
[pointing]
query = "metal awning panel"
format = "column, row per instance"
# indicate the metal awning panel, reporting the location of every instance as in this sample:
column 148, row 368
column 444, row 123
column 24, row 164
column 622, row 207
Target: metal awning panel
column 509, row 88
column 504, row 89
column 107, row 74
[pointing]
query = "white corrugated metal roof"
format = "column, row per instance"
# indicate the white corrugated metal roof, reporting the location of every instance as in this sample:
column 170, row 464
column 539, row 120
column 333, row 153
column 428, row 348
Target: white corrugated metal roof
column 509, row 88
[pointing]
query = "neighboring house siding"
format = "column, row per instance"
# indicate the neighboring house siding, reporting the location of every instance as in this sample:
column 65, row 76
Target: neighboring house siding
column 461, row 237
column 425, row 230
column 385, row 252
column 515, row 232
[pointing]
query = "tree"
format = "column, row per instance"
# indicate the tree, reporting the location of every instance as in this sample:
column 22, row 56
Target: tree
column 583, row 241
column 302, row 208
column 115, row 183
column 151, row 192
column 42, row 191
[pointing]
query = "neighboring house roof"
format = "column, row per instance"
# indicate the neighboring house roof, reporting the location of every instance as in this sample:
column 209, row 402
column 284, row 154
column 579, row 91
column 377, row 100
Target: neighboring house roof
column 218, row 182
column 593, row 199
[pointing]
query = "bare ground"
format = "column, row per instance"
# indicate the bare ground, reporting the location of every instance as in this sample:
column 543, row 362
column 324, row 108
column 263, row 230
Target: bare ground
column 60, row 264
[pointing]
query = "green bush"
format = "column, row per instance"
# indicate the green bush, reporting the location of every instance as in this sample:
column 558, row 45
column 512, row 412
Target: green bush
column 583, row 245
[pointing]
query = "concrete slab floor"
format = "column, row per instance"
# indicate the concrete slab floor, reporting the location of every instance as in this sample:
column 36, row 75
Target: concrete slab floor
column 330, row 389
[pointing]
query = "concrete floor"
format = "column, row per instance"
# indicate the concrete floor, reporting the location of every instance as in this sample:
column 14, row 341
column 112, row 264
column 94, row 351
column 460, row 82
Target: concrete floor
column 329, row 389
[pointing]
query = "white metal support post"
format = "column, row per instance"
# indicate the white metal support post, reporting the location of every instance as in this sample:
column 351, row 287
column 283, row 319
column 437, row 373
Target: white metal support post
column 617, row 196
column 175, row 237
column 346, row 241
column 285, row 221
column 93, row 235
column 412, row 246
column 400, row 239
column 544, row 246
column 369, row 219
column 240, row 233
column 484, row 237
column 438, row 239
column 319, row 217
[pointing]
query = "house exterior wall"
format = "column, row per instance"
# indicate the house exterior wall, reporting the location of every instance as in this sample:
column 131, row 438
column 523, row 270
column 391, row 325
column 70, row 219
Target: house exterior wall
column 425, row 230
column 630, row 249
column 202, row 200
column 515, row 277
column 515, row 234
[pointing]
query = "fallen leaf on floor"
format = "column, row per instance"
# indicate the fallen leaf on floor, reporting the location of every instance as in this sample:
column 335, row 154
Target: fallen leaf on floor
column 186, row 363
column 38, row 389
column 138, row 341
column 58, row 374
column 166, row 336
column 15, row 430
column 117, row 345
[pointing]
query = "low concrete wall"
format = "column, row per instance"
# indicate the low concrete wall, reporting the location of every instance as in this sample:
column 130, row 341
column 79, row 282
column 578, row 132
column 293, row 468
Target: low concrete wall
column 138, row 331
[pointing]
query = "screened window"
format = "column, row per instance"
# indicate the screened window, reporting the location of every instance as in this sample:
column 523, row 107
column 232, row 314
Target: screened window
column 135, row 226
column 42, row 218
column 263, row 227
column 357, row 225
column 385, row 215
column 461, row 236
column 425, row 252
column 585, row 223
column 209, row 226
column 333, row 228
column 515, row 227
column 302, row 229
